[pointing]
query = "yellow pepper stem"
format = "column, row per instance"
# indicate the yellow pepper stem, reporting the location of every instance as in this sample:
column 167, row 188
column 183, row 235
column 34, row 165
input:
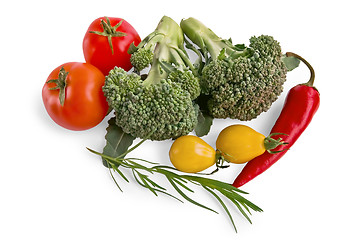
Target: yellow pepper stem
column 220, row 162
column 271, row 143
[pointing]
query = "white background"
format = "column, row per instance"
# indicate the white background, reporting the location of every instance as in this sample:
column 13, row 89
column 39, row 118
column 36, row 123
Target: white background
column 52, row 188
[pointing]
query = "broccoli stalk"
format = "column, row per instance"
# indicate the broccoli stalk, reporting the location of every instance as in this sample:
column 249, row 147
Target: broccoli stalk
column 209, row 42
column 164, row 50
column 160, row 106
column 240, row 82
column 165, row 44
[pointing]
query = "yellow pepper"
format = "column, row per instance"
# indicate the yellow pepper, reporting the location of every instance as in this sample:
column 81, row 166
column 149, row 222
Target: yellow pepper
column 191, row 154
column 240, row 144
column 236, row 144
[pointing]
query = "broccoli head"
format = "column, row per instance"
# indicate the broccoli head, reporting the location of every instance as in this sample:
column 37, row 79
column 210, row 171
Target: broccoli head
column 240, row 82
column 141, row 59
column 160, row 106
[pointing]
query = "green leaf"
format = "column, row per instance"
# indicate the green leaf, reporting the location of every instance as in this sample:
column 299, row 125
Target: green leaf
column 204, row 124
column 182, row 185
column 222, row 54
column 115, row 181
column 179, row 183
column 186, row 197
column 119, row 172
column 241, row 209
column 117, row 141
column 290, row 62
column 240, row 47
column 223, row 205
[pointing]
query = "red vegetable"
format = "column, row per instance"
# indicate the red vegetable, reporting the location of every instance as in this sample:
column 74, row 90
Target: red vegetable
column 300, row 106
column 73, row 96
column 106, row 43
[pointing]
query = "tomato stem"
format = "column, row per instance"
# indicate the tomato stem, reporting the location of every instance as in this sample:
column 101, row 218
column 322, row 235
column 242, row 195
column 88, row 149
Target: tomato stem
column 312, row 77
column 60, row 84
column 110, row 31
column 271, row 143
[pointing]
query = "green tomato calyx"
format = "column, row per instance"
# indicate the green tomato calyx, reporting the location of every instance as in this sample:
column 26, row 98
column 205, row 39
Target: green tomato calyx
column 60, row 84
column 109, row 31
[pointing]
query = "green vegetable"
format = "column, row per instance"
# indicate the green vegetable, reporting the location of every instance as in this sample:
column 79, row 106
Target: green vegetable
column 117, row 141
column 204, row 124
column 205, row 120
column 240, row 82
column 290, row 62
column 181, row 183
column 162, row 103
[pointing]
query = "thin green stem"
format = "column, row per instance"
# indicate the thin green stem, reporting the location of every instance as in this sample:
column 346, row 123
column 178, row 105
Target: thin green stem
column 180, row 182
column 131, row 149
column 312, row 71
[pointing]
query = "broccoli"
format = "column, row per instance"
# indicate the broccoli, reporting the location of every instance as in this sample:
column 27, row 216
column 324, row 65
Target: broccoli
column 142, row 55
column 239, row 82
column 160, row 106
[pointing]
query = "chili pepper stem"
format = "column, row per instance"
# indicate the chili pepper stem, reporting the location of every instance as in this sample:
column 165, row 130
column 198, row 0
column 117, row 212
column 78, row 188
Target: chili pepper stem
column 312, row 77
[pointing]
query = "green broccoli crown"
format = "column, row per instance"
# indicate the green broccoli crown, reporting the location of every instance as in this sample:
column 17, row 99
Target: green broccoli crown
column 241, row 82
column 161, row 106
column 142, row 55
column 141, row 59
column 118, row 84
column 163, row 110
column 187, row 81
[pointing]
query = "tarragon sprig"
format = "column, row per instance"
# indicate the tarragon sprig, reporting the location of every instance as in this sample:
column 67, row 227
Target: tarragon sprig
column 180, row 182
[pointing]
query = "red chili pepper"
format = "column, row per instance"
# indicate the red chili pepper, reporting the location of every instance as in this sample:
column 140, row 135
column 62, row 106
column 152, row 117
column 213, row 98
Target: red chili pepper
column 300, row 105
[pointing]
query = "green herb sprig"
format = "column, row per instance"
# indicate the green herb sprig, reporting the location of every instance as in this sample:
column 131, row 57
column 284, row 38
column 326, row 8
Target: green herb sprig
column 179, row 182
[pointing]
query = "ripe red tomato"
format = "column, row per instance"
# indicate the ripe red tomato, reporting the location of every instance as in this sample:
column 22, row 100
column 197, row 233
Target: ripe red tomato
column 73, row 96
column 106, row 43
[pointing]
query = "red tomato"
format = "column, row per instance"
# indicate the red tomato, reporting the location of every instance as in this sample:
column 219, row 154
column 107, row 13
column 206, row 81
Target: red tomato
column 106, row 43
column 84, row 105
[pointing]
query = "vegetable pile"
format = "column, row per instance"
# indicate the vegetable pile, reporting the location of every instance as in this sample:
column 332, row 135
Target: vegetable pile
column 156, row 92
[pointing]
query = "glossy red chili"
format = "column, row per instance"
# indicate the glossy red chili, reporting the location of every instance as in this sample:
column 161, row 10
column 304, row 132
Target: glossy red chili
column 300, row 106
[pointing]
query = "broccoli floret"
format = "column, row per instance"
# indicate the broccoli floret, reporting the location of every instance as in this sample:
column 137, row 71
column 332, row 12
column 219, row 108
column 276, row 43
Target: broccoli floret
column 141, row 59
column 240, row 82
column 142, row 55
column 160, row 106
